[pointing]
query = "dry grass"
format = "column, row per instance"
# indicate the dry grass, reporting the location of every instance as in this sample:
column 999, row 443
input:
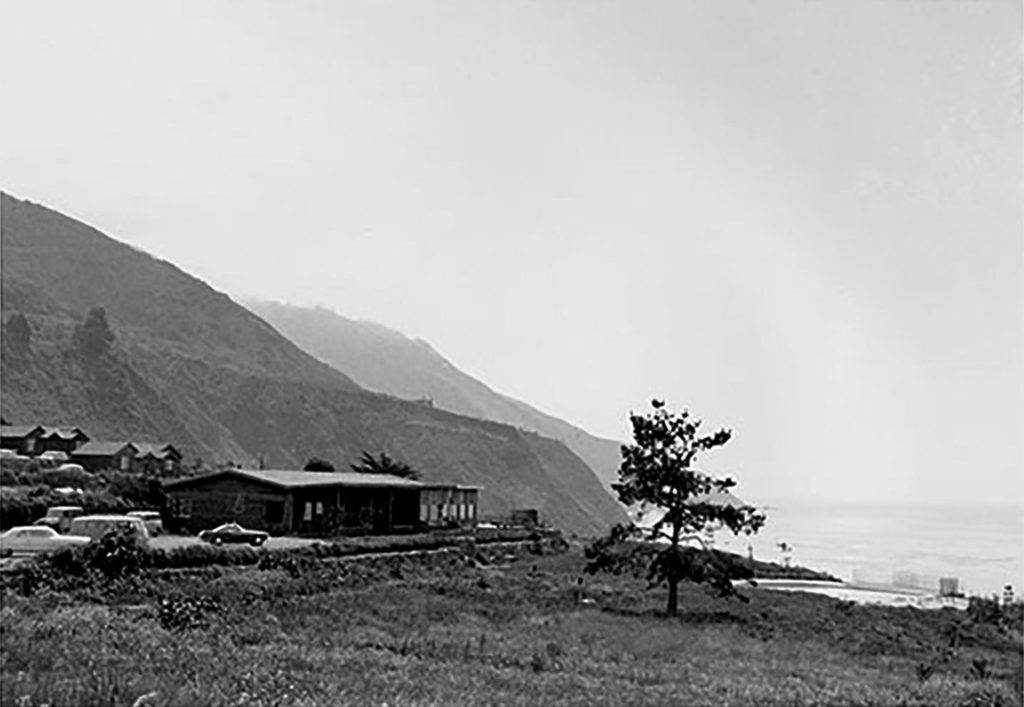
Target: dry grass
column 514, row 635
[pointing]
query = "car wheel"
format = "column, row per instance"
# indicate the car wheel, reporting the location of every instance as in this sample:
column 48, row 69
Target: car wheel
column 256, row 542
column 217, row 541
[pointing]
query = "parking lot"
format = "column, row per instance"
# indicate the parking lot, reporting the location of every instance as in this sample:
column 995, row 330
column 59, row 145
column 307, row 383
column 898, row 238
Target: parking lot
column 168, row 542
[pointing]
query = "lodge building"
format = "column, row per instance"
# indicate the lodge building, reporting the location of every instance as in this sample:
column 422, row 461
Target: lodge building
column 281, row 501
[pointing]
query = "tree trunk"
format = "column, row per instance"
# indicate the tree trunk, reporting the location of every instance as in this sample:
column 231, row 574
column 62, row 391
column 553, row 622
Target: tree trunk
column 673, row 597
column 673, row 579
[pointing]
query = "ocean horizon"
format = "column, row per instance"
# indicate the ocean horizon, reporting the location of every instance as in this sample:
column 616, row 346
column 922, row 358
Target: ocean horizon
column 894, row 543
column 910, row 544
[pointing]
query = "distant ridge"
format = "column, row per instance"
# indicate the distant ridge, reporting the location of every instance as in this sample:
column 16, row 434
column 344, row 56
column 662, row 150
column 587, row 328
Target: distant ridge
column 190, row 366
column 387, row 361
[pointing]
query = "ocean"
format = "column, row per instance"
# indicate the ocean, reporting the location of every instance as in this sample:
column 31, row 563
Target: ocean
column 903, row 544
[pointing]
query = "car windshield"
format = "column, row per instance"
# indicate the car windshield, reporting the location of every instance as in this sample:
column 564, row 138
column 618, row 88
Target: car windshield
column 227, row 527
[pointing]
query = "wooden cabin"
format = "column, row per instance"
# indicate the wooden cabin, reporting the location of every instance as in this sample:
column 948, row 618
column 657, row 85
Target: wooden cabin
column 282, row 501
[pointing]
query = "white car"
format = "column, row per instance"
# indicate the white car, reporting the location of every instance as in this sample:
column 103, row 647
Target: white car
column 11, row 454
column 97, row 526
column 71, row 467
column 38, row 538
column 55, row 456
column 154, row 523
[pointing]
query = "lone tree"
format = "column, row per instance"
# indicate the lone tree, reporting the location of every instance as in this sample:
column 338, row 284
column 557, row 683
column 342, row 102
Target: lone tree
column 368, row 464
column 657, row 472
column 93, row 337
column 18, row 333
column 318, row 464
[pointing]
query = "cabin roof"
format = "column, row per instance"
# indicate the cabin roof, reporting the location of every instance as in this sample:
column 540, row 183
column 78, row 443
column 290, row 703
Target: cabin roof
column 160, row 450
column 64, row 432
column 457, row 487
column 288, row 479
column 101, row 449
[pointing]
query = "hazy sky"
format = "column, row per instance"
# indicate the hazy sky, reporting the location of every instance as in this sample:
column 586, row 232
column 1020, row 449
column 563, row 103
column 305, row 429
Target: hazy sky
column 799, row 219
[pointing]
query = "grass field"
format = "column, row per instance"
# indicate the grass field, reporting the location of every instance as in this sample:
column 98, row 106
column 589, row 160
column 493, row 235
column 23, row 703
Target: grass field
column 459, row 633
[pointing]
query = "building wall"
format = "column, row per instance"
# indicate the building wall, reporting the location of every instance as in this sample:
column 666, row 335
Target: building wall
column 148, row 464
column 29, row 445
column 303, row 510
column 447, row 506
column 122, row 461
column 57, row 444
column 253, row 505
column 355, row 508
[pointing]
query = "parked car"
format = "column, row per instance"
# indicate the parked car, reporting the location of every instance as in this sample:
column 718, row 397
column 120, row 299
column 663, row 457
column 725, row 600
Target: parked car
column 234, row 533
column 53, row 458
column 97, row 526
column 38, row 538
column 71, row 467
column 59, row 517
column 154, row 523
column 11, row 454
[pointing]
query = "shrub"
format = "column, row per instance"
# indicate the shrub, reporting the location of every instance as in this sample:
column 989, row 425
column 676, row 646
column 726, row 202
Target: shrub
column 137, row 489
column 191, row 556
column 23, row 505
column 75, row 478
column 187, row 613
column 116, row 554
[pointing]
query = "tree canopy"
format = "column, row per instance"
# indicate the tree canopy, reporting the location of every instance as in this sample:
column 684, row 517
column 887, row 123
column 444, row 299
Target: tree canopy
column 383, row 464
column 93, row 337
column 657, row 472
column 18, row 333
column 318, row 464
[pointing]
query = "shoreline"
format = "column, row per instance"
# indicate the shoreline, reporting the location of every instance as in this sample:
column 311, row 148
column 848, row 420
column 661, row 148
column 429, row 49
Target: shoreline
column 863, row 592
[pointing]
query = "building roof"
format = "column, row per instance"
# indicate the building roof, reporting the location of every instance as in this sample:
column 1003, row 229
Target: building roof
column 19, row 430
column 159, row 450
column 64, row 432
column 457, row 487
column 101, row 449
column 302, row 479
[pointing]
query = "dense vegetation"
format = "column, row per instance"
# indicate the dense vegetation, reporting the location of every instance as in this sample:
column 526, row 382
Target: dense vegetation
column 28, row 489
column 457, row 630
column 171, row 359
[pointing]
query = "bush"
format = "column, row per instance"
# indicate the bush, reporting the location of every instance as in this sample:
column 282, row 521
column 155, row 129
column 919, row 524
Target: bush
column 191, row 556
column 116, row 554
column 55, row 478
column 23, row 505
column 186, row 613
column 136, row 489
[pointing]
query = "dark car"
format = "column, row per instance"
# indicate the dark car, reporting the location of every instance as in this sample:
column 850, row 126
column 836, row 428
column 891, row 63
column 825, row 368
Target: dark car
column 234, row 533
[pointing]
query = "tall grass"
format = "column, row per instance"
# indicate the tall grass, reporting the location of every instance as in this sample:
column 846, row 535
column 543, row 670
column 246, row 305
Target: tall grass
column 451, row 633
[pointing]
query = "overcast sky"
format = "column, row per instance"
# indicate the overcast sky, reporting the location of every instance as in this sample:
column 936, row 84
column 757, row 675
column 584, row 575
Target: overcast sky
column 799, row 219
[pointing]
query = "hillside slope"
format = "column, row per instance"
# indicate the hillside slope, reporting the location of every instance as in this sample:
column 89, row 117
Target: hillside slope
column 191, row 366
column 384, row 360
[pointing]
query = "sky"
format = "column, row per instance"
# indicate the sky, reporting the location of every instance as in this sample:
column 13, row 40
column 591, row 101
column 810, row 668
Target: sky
column 799, row 220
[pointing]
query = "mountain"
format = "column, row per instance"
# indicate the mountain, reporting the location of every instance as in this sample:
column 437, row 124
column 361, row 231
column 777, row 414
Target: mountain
column 190, row 366
column 387, row 361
